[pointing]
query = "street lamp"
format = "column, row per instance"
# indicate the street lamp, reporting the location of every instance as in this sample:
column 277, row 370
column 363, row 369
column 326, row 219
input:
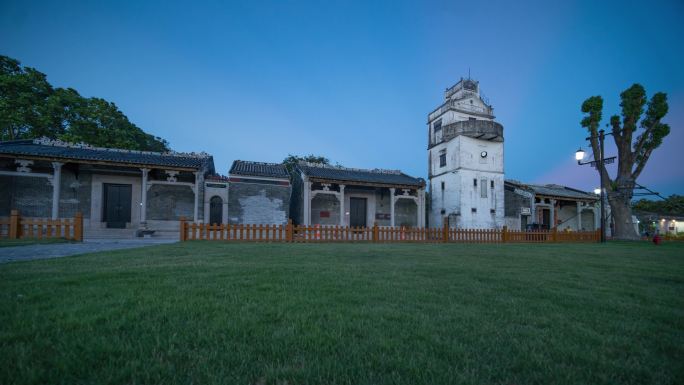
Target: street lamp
column 598, row 164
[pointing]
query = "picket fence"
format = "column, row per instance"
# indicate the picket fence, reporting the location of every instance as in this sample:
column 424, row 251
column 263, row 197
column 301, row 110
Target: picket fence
column 18, row 227
column 318, row 233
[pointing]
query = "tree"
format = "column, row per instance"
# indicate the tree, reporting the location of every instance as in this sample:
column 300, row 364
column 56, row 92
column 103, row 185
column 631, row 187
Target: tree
column 672, row 205
column 291, row 161
column 30, row 107
column 635, row 138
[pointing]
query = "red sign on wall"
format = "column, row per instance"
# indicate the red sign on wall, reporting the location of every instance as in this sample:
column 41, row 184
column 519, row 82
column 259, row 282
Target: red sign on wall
column 325, row 214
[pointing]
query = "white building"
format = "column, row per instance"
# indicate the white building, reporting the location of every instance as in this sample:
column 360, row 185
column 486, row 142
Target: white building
column 465, row 160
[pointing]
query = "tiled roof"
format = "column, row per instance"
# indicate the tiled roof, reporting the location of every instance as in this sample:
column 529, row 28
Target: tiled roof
column 553, row 190
column 269, row 170
column 53, row 149
column 386, row 177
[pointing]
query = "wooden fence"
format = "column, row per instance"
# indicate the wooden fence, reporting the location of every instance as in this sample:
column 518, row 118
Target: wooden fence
column 296, row 233
column 17, row 227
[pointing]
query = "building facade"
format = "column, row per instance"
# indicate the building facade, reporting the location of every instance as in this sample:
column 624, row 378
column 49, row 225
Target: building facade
column 331, row 195
column 550, row 206
column 119, row 192
column 465, row 160
column 259, row 193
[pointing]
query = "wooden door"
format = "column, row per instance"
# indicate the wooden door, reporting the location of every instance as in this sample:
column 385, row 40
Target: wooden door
column 117, row 205
column 357, row 212
column 216, row 210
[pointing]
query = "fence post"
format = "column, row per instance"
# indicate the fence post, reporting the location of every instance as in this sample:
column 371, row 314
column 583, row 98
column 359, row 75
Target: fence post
column 554, row 234
column 504, row 234
column 14, row 224
column 445, row 230
column 78, row 227
column 375, row 232
column 183, row 233
column 289, row 231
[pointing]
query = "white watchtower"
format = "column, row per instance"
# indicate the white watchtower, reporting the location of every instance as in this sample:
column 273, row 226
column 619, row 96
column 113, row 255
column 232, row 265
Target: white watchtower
column 465, row 160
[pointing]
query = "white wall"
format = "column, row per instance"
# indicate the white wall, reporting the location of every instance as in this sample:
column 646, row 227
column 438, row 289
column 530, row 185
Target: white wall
column 460, row 196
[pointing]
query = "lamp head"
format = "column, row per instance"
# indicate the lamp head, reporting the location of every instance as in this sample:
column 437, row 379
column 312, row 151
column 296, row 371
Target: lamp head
column 579, row 155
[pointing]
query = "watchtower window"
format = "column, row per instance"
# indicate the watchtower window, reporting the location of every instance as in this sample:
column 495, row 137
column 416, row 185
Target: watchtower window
column 492, row 183
column 483, row 188
column 437, row 126
column 474, row 182
column 442, row 158
column 442, row 185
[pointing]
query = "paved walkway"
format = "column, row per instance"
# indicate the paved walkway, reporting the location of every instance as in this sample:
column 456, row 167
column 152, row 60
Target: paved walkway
column 56, row 250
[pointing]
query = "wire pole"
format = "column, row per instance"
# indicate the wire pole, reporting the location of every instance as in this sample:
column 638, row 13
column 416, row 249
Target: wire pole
column 600, row 167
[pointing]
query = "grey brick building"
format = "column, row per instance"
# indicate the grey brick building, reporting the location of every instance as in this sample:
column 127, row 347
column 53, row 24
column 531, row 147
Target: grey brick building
column 330, row 195
column 549, row 206
column 119, row 192
column 258, row 193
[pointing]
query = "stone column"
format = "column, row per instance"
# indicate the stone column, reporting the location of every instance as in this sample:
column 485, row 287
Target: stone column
column 307, row 203
column 552, row 214
column 143, row 200
column 579, row 216
column 392, row 191
column 597, row 218
column 56, row 186
column 341, row 197
column 196, row 210
column 421, row 208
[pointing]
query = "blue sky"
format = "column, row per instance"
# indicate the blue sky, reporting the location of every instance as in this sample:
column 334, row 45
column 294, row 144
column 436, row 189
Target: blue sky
column 355, row 80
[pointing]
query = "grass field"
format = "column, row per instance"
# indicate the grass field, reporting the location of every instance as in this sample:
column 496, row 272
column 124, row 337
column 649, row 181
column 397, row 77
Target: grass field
column 347, row 314
column 5, row 242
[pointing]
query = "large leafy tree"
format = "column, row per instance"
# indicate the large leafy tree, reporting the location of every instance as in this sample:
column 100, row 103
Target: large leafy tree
column 637, row 133
column 672, row 205
column 30, row 107
column 291, row 161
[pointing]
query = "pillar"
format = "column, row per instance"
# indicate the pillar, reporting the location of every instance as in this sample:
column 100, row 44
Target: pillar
column 196, row 209
column 579, row 216
column 552, row 214
column 56, row 185
column 341, row 197
column 143, row 200
column 392, row 191
column 307, row 203
column 421, row 208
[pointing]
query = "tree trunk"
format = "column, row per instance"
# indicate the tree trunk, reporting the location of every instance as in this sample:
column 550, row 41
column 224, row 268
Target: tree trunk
column 621, row 210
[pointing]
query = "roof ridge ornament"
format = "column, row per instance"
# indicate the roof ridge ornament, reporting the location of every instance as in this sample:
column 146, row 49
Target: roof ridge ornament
column 45, row 141
column 338, row 167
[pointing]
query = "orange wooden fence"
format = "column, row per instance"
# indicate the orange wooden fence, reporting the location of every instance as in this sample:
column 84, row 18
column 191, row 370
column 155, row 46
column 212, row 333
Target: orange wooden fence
column 297, row 233
column 17, row 227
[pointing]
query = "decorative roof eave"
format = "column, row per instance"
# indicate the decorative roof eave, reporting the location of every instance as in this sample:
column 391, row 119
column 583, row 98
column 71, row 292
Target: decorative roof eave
column 565, row 197
column 361, row 183
column 100, row 162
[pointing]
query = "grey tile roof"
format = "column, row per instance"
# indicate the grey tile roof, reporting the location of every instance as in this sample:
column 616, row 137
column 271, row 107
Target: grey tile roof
column 269, row 170
column 65, row 151
column 561, row 191
column 342, row 174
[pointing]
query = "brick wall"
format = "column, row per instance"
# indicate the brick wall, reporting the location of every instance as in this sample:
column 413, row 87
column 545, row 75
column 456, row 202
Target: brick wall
column 256, row 203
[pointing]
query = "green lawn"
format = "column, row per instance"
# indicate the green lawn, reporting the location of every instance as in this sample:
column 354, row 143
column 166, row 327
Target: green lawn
column 347, row 314
column 6, row 242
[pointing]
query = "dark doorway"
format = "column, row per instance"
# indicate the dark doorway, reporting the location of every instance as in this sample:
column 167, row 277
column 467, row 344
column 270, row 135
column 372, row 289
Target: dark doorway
column 357, row 212
column 215, row 210
column 523, row 222
column 117, row 205
column 546, row 218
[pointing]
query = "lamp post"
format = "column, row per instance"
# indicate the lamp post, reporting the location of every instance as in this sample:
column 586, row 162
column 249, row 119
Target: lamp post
column 598, row 164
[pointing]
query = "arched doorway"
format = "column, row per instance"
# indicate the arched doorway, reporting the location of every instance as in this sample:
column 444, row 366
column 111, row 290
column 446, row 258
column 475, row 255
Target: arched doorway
column 216, row 210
